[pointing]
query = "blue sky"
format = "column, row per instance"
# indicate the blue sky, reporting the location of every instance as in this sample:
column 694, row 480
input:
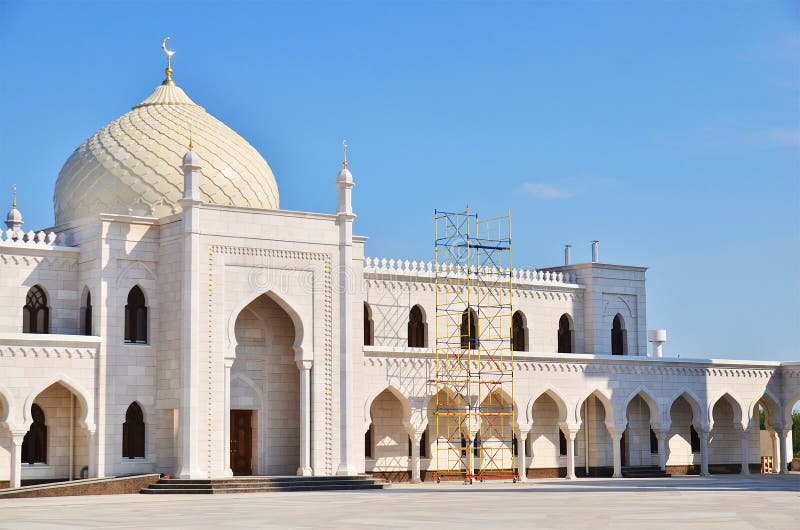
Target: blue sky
column 670, row 131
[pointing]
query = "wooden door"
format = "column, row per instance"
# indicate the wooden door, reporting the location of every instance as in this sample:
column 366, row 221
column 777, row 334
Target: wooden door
column 242, row 442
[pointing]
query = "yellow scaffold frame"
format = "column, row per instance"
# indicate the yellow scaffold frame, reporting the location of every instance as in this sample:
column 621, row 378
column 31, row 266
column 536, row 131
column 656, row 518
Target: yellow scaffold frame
column 474, row 374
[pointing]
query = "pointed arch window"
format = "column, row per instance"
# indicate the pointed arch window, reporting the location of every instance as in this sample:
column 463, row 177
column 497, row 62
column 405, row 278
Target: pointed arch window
column 86, row 315
column 369, row 326
column 416, row 328
column 565, row 334
column 34, row 445
column 618, row 336
column 562, row 443
column 133, row 432
column 469, row 330
column 519, row 332
column 136, row 317
column 35, row 313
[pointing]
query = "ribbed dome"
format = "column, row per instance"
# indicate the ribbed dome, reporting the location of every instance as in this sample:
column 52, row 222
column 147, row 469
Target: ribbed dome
column 131, row 166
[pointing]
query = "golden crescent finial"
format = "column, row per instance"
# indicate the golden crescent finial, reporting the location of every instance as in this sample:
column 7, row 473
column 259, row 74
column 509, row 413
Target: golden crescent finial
column 169, row 53
column 14, row 188
column 190, row 138
column 344, row 148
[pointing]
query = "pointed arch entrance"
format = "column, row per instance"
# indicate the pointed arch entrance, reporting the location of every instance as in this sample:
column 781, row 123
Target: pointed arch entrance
column 264, row 392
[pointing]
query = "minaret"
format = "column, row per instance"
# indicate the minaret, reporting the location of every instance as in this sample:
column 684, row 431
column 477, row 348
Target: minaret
column 190, row 318
column 344, row 218
column 14, row 217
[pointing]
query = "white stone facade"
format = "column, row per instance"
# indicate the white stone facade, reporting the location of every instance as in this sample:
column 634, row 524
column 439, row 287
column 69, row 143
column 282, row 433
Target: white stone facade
column 262, row 310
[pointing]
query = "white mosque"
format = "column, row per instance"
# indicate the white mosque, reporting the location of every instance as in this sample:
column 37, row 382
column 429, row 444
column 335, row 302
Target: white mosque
column 176, row 320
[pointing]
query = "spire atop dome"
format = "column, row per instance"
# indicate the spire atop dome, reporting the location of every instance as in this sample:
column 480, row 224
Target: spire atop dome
column 14, row 217
column 344, row 148
column 169, row 53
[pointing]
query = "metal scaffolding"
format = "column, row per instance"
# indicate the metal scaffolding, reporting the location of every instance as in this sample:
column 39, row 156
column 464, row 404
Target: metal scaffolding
column 474, row 374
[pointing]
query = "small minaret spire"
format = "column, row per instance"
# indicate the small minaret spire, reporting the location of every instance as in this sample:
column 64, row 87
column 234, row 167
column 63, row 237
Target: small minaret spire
column 14, row 217
column 344, row 148
column 191, row 166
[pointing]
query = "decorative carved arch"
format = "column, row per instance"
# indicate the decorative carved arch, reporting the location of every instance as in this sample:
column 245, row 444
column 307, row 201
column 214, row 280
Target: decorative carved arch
column 698, row 414
column 452, row 394
column 770, row 403
column 86, row 419
column 297, row 322
column 735, row 403
column 506, row 397
column 608, row 405
column 556, row 396
column 404, row 403
column 125, row 273
column 652, row 404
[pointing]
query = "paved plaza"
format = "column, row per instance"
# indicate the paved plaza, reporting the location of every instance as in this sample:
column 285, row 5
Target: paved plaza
column 680, row 502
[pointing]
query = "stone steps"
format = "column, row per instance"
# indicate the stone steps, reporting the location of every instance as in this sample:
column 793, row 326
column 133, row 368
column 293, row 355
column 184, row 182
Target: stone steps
column 264, row 484
column 644, row 472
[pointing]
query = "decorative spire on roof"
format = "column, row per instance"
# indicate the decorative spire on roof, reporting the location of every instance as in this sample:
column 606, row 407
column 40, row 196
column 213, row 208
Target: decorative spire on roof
column 344, row 148
column 14, row 217
column 191, row 147
column 169, row 53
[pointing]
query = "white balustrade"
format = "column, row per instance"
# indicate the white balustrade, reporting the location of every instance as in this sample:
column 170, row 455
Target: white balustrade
column 428, row 269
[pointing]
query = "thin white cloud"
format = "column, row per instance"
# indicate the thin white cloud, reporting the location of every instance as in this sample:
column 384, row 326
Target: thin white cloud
column 544, row 192
column 780, row 137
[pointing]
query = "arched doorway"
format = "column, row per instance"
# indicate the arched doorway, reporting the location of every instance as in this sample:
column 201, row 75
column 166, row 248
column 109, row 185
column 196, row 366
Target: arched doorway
column 725, row 447
column 448, row 440
column 547, row 441
column 594, row 444
column 389, row 442
column 683, row 439
column 265, row 392
column 640, row 443
column 56, row 446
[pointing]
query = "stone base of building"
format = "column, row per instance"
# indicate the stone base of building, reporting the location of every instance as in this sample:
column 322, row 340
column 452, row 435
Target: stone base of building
column 724, row 469
column 103, row 486
column 395, row 476
column 546, row 472
column 688, row 469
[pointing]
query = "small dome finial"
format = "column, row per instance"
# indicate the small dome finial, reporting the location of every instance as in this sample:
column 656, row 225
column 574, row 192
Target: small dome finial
column 169, row 53
column 344, row 148
column 14, row 191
